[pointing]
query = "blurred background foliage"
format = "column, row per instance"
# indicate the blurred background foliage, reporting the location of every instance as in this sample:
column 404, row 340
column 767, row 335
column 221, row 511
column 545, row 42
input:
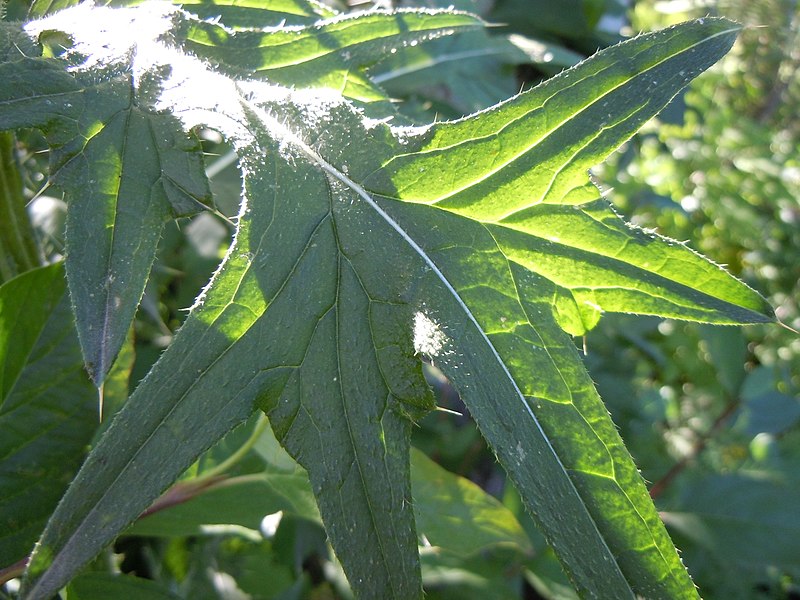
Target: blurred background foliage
column 711, row 414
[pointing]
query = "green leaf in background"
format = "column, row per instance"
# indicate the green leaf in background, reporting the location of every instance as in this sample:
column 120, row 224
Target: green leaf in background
column 765, row 409
column 742, row 524
column 576, row 20
column 728, row 349
column 363, row 243
column 48, row 406
column 468, row 72
column 243, row 14
column 458, row 516
column 329, row 54
column 243, row 501
column 18, row 250
column 101, row 585
column 493, row 574
column 40, row 8
column 451, row 512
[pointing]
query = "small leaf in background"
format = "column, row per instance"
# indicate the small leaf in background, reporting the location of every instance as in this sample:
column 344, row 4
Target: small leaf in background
column 494, row 574
column 728, row 349
column 244, row 501
column 48, row 406
column 466, row 73
column 739, row 527
column 765, row 409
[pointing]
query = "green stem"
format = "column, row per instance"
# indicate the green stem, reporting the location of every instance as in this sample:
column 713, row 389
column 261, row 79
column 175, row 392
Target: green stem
column 186, row 490
column 18, row 249
column 225, row 465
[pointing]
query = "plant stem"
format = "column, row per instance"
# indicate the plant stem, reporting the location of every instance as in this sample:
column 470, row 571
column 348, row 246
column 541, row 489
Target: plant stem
column 225, row 465
column 18, row 250
column 179, row 493
column 12, row 571
column 186, row 490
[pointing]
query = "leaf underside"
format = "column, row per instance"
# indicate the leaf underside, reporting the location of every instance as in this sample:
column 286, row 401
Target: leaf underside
column 363, row 243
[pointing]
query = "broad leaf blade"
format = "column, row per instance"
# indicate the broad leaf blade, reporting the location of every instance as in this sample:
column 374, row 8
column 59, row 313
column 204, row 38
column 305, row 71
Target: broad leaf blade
column 530, row 186
column 446, row 329
column 284, row 273
column 516, row 154
column 330, row 291
column 508, row 268
column 521, row 169
column 43, row 439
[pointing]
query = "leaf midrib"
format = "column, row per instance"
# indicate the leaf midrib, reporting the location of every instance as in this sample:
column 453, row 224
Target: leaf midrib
column 353, row 445
column 439, row 59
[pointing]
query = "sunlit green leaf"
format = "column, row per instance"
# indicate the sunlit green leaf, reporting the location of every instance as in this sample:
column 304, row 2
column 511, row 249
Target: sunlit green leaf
column 243, row 14
column 363, row 243
column 456, row 515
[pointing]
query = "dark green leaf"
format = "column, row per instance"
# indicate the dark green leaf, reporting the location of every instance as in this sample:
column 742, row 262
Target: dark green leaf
column 47, row 406
column 743, row 524
column 18, row 250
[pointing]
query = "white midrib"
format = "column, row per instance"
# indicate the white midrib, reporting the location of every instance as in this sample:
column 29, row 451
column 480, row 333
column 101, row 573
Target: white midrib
column 433, row 62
